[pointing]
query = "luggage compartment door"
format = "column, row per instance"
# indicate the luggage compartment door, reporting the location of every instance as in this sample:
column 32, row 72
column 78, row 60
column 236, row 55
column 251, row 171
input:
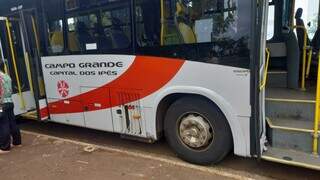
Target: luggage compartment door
column 65, row 106
column 97, row 111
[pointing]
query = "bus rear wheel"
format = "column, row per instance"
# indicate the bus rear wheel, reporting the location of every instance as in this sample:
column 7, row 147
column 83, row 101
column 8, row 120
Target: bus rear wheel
column 197, row 131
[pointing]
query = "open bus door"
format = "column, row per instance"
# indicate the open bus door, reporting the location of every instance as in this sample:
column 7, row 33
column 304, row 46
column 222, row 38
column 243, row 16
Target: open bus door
column 21, row 53
column 29, row 24
column 263, row 56
column 292, row 103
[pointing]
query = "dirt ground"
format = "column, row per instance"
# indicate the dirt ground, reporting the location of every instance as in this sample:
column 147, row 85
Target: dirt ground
column 43, row 158
column 154, row 161
column 243, row 167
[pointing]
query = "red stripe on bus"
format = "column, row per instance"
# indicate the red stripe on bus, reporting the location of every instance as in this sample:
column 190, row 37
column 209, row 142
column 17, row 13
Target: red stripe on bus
column 44, row 114
column 145, row 76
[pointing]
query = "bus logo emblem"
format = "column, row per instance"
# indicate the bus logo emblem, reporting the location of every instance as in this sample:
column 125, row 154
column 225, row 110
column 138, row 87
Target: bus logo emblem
column 63, row 88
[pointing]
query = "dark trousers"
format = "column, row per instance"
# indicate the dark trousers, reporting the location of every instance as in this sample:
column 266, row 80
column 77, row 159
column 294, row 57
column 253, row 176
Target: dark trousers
column 9, row 128
column 4, row 133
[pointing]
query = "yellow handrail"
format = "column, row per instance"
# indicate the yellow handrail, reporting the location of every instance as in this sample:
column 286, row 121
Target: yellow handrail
column 316, row 116
column 265, row 73
column 14, row 63
column 27, row 61
column 304, row 57
column 309, row 63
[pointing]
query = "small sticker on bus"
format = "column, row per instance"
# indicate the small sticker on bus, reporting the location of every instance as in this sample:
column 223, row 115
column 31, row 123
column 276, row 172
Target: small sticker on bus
column 91, row 46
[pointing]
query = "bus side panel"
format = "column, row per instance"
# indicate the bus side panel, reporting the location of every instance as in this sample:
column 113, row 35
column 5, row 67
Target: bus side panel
column 86, row 80
column 76, row 119
column 25, row 106
column 138, row 84
column 43, row 109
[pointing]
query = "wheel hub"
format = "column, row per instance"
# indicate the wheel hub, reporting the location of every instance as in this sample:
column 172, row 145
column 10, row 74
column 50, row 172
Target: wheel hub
column 195, row 131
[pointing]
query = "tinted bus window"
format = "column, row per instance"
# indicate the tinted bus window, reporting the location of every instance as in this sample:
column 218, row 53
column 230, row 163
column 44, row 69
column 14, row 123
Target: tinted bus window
column 80, row 32
column 103, row 30
column 148, row 22
column 54, row 18
column 187, row 21
column 72, row 4
column 55, row 29
column 212, row 31
column 309, row 15
column 116, row 26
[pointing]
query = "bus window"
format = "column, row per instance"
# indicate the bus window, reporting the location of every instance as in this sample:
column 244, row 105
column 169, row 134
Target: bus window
column 211, row 31
column 72, row 4
column 148, row 22
column 310, row 15
column 287, row 15
column 116, row 28
column 271, row 22
column 81, row 32
column 55, row 29
column 190, row 21
column 111, row 31
column 187, row 21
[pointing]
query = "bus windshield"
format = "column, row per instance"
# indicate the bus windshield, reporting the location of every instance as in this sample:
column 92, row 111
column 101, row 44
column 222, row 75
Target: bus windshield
column 310, row 15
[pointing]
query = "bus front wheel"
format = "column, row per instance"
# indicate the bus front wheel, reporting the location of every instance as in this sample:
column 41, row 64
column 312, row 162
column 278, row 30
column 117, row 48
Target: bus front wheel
column 197, row 131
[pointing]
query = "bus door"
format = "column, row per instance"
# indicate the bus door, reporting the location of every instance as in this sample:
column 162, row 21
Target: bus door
column 13, row 53
column 263, row 70
column 29, row 30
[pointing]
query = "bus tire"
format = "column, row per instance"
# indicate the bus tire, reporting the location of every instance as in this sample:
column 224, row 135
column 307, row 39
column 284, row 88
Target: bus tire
column 183, row 124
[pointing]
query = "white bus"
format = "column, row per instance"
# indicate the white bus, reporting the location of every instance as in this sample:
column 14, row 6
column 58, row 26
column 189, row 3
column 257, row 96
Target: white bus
column 195, row 71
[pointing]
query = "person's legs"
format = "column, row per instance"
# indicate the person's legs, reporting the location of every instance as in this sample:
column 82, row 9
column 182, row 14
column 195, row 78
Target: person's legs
column 5, row 139
column 14, row 129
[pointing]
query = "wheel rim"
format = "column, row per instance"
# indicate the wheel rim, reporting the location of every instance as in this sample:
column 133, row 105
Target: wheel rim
column 195, row 131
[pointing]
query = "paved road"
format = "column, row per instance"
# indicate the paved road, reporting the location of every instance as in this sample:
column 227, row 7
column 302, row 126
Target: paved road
column 233, row 165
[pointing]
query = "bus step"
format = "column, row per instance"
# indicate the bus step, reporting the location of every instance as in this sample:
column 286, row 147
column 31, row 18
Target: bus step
column 292, row 104
column 291, row 94
column 292, row 134
column 277, row 79
column 303, row 111
column 291, row 157
column 31, row 115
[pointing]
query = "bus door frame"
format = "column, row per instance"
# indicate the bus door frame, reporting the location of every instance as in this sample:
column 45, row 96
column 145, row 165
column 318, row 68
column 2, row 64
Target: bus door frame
column 2, row 56
column 263, row 75
column 258, row 67
column 11, row 52
column 32, row 62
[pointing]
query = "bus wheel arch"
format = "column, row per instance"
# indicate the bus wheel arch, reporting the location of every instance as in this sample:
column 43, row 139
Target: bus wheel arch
column 168, row 100
column 240, row 143
column 162, row 109
column 197, row 130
